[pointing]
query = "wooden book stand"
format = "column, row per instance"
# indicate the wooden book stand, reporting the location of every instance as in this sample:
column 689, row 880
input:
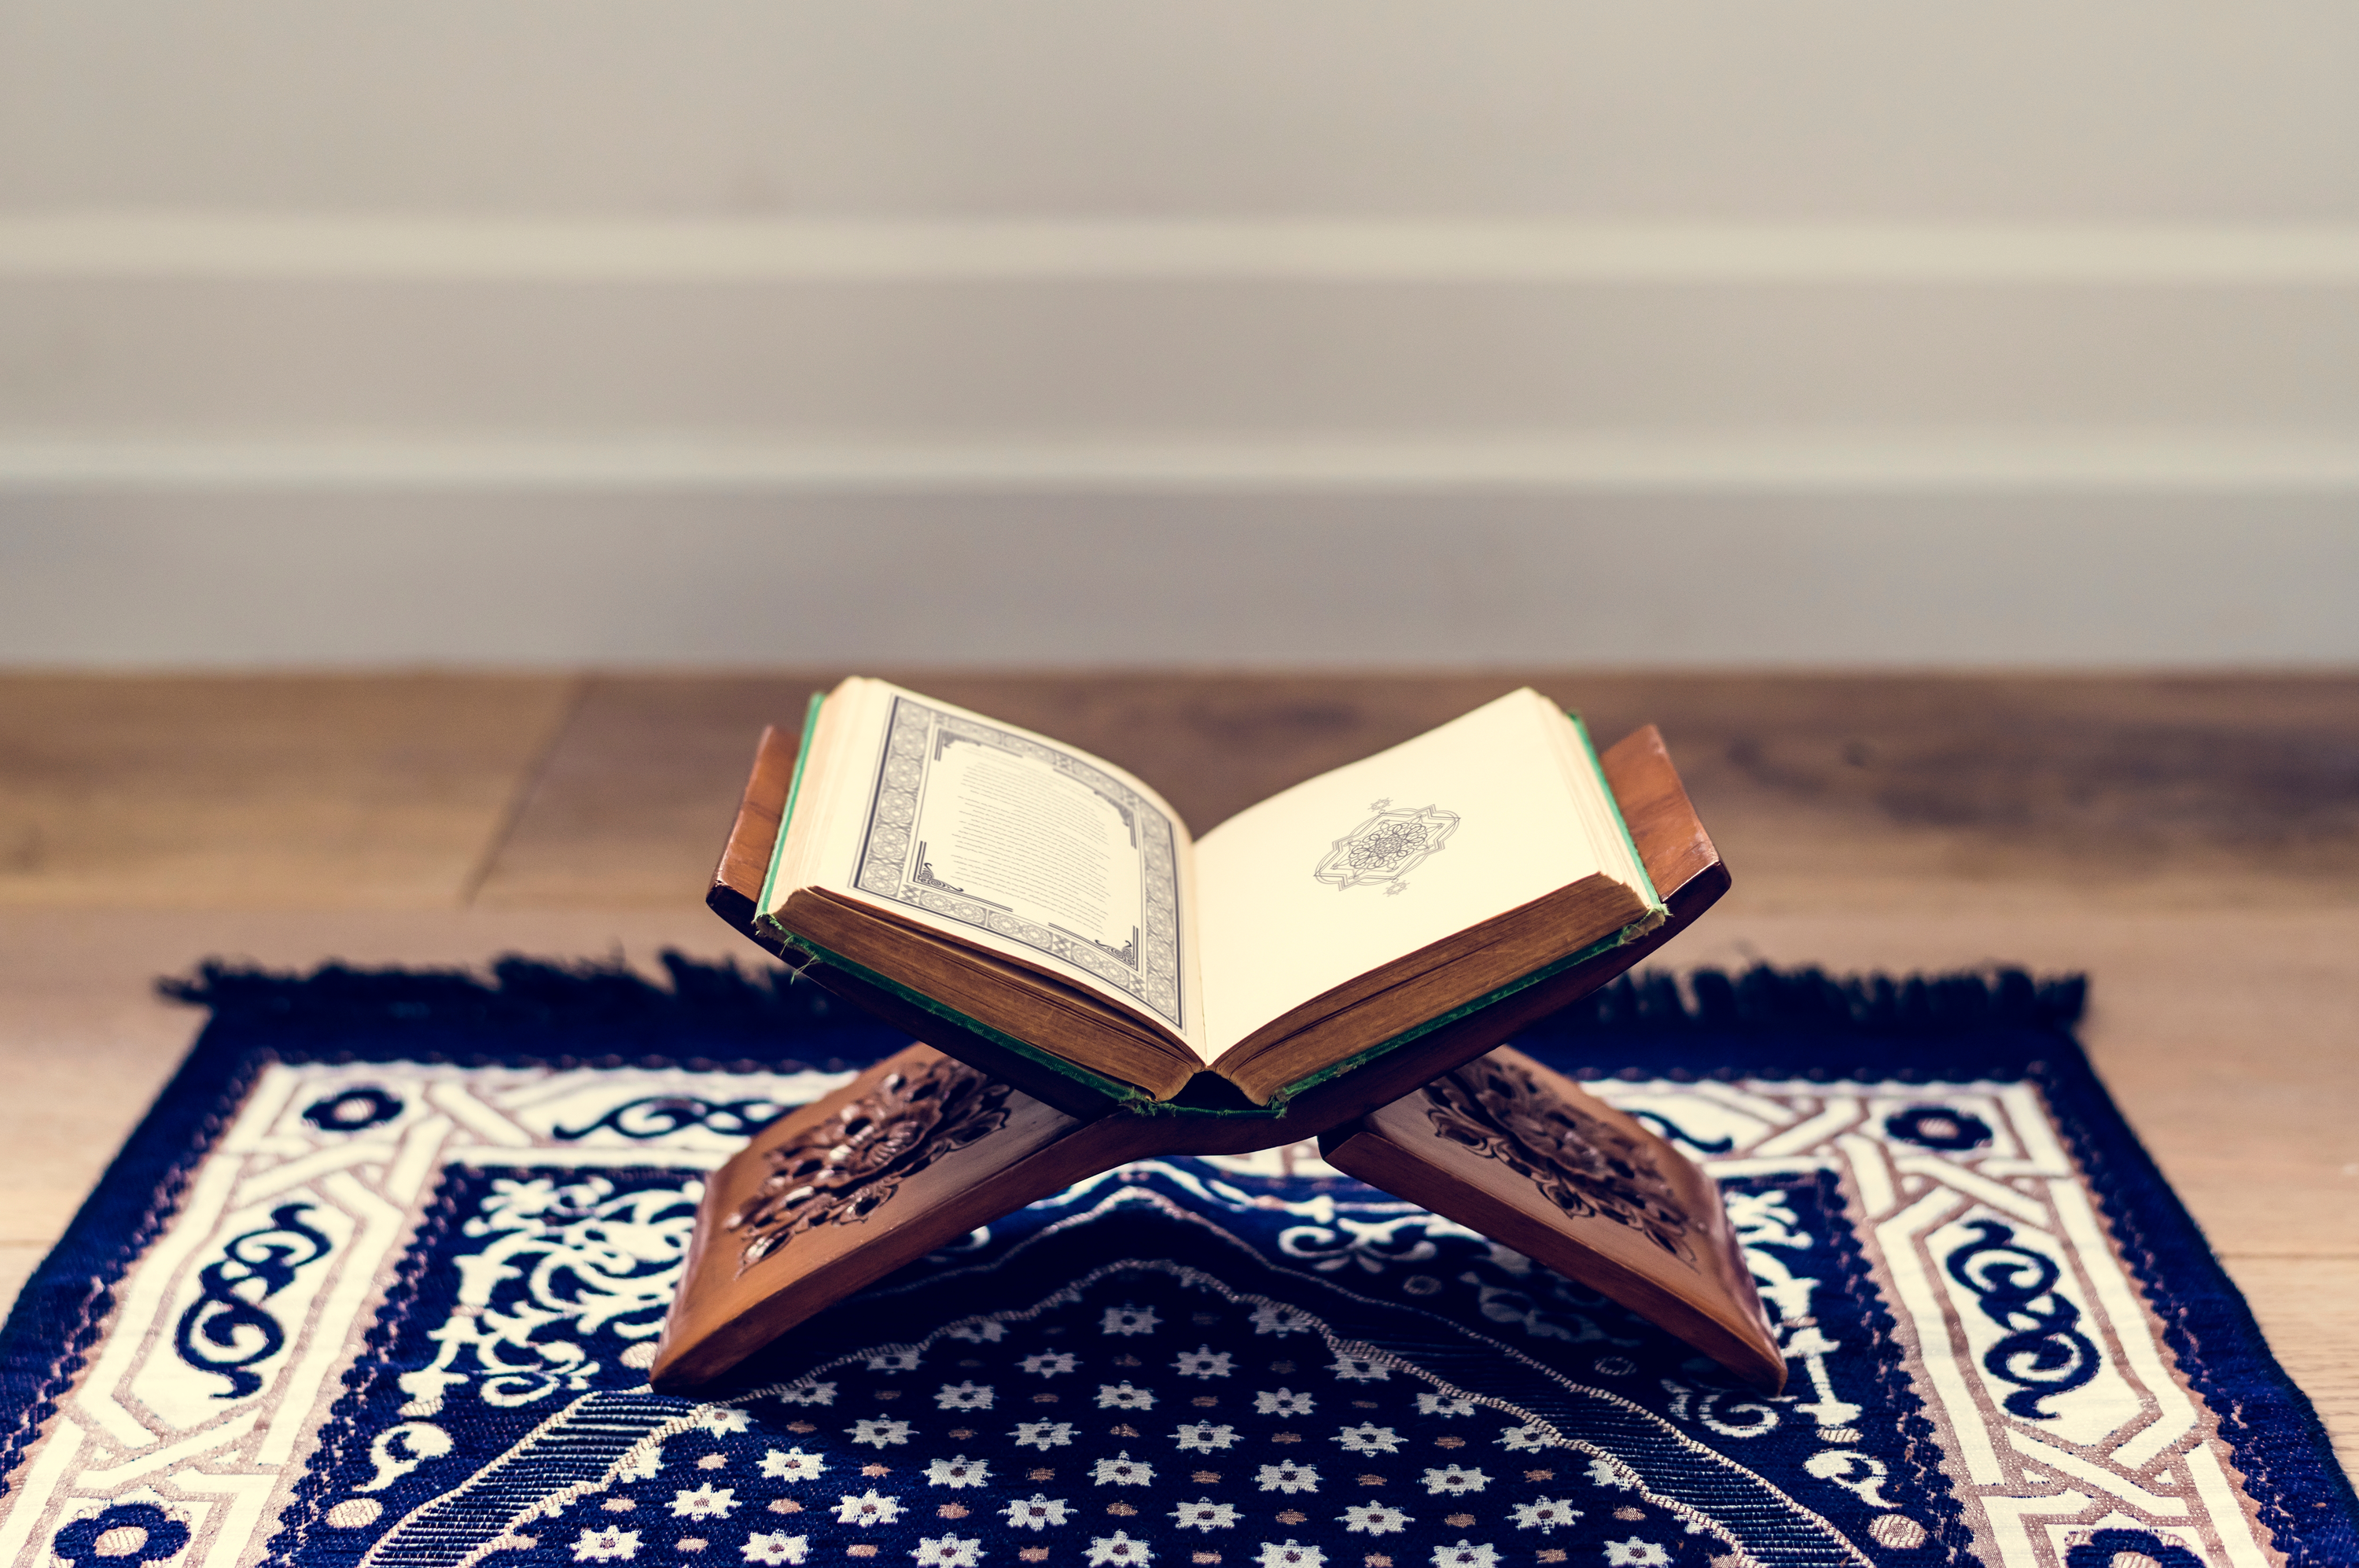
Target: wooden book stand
column 954, row 1133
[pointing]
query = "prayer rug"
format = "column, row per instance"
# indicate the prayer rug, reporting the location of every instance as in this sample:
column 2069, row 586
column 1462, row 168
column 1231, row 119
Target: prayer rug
column 376, row 1281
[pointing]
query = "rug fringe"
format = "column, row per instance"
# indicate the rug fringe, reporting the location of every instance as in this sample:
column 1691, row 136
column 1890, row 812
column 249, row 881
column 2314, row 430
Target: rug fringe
column 1767, row 997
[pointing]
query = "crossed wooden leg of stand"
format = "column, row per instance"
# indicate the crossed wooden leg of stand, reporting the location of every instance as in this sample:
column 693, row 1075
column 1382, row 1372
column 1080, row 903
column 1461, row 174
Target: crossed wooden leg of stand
column 922, row 1148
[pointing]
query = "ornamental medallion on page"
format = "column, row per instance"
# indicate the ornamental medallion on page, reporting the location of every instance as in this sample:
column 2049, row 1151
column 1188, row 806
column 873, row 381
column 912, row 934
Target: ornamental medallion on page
column 1385, row 848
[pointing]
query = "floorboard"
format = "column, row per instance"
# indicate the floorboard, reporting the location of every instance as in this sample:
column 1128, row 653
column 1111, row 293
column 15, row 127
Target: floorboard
column 1826, row 791
column 322, row 792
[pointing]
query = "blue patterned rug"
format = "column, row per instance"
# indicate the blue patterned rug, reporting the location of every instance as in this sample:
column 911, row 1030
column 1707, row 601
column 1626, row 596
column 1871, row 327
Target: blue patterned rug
column 376, row 1280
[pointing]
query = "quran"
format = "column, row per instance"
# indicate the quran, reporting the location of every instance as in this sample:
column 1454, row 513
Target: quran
column 1041, row 1059
column 1052, row 904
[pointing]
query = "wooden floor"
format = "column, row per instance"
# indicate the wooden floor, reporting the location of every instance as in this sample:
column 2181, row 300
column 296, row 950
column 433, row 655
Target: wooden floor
column 2192, row 845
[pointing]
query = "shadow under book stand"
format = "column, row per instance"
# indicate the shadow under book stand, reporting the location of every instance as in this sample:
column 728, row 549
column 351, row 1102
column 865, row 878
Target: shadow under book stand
column 960, row 1130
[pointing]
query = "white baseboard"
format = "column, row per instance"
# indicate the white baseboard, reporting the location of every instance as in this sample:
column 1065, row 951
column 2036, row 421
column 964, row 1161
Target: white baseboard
column 2045, row 463
column 669, row 579
column 499, row 247
column 1044, row 362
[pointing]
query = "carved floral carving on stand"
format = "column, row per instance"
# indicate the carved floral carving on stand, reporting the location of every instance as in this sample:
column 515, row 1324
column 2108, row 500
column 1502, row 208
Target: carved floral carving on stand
column 842, row 1170
column 1583, row 1163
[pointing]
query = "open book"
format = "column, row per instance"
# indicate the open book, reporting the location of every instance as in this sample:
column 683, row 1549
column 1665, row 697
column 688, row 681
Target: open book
column 1050, row 901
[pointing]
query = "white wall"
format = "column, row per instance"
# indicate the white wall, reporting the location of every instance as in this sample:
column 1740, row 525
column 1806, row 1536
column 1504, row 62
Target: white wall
column 1339, row 331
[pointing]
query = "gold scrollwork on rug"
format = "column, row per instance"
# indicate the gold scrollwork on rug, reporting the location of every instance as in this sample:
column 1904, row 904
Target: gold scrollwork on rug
column 1583, row 1163
column 840, row 1171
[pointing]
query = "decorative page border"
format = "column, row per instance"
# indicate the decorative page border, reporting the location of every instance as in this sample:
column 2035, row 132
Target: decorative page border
column 892, row 867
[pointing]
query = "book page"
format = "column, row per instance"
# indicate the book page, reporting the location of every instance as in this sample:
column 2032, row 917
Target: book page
column 1008, row 841
column 1363, row 866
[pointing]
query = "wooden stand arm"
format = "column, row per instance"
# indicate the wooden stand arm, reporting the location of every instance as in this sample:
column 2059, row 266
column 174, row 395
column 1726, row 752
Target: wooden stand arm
column 753, row 834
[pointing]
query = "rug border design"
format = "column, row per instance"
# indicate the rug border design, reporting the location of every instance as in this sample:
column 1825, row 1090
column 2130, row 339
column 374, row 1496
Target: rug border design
column 2160, row 1239
column 1998, row 1025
